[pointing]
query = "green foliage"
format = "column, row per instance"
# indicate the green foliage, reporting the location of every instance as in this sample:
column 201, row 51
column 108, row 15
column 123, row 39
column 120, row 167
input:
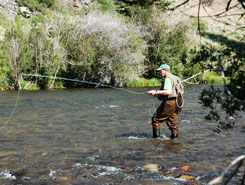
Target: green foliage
column 169, row 49
column 233, row 61
column 4, row 71
column 38, row 5
column 4, row 22
column 38, row 19
column 132, row 7
column 216, row 99
column 17, row 52
column 30, row 85
column 143, row 82
column 166, row 45
column 107, row 5
column 213, row 78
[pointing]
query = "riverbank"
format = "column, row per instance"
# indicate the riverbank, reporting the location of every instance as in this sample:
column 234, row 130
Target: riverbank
column 206, row 78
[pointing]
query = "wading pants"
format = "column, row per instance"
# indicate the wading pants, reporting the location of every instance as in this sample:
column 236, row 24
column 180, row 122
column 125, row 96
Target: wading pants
column 168, row 112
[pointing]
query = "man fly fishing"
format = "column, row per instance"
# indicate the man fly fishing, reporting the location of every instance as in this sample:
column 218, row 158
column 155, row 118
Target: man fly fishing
column 170, row 94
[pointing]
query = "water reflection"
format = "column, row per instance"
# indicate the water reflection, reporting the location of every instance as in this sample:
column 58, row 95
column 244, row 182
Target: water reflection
column 99, row 136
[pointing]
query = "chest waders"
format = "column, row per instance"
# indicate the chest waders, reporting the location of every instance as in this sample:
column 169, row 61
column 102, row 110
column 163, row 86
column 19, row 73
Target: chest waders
column 168, row 112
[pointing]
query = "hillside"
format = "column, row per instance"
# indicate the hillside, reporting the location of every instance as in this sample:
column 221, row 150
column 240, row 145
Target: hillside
column 213, row 14
column 216, row 19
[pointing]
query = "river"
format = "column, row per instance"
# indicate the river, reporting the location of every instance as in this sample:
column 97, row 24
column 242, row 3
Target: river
column 104, row 136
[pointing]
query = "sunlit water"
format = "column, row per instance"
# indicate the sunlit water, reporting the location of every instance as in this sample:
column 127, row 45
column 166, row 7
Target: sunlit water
column 104, row 136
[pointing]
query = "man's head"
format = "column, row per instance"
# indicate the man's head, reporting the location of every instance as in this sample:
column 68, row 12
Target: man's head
column 165, row 69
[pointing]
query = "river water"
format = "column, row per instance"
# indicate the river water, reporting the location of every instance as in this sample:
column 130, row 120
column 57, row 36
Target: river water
column 104, row 136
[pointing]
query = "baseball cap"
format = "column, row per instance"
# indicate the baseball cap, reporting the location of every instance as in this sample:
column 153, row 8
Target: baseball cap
column 163, row 66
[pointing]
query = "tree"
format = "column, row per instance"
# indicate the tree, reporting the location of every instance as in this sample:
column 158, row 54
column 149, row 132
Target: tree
column 16, row 50
column 105, row 48
column 220, row 52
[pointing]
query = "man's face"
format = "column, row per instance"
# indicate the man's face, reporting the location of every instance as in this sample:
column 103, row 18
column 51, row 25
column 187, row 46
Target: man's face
column 163, row 72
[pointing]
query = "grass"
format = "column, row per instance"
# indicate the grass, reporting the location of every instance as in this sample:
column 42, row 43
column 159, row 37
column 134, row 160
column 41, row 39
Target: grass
column 35, row 86
column 209, row 78
column 214, row 78
column 142, row 82
column 29, row 86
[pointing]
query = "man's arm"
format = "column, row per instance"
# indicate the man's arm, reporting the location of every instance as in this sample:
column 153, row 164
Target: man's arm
column 164, row 92
column 167, row 89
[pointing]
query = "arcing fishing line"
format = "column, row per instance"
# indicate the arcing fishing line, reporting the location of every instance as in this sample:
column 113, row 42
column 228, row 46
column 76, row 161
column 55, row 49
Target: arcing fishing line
column 13, row 111
column 83, row 81
column 152, row 105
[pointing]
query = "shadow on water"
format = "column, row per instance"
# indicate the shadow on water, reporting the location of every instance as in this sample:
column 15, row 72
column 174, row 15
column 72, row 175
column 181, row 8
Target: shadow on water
column 104, row 136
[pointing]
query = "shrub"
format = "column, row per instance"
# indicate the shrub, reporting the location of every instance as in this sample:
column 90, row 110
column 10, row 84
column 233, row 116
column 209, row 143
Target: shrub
column 107, row 5
column 4, row 72
column 142, row 82
column 38, row 5
column 104, row 47
column 167, row 42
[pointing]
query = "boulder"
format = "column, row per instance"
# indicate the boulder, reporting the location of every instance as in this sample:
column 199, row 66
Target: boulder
column 25, row 12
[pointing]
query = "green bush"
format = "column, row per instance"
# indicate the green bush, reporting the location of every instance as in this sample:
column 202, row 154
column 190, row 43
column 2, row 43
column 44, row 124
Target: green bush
column 214, row 78
column 16, row 51
column 4, row 22
column 107, row 5
column 223, row 105
column 142, row 82
column 38, row 5
column 4, row 71
column 167, row 42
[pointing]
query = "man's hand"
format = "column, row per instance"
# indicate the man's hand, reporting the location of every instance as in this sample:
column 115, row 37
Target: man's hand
column 152, row 92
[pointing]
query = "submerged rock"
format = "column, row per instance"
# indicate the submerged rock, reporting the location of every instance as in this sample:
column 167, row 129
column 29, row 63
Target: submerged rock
column 187, row 177
column 152, row 167
column 125, row 167
column 185, row 168
column 62, row 178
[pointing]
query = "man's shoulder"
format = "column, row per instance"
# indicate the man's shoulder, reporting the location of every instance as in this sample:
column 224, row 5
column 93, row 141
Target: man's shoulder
column 169, row 78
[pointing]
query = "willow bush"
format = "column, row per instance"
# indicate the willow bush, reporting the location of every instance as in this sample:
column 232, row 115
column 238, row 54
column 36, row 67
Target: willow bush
column 104, row 47
column 4, row 72
column 38, row 5
column 16, row 51
column 167, row 39
column 48, row 53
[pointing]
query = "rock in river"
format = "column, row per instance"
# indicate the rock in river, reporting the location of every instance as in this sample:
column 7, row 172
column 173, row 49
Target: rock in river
column 152, row 167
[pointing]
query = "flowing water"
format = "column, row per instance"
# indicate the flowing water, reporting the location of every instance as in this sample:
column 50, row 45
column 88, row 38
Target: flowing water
column 104, row 136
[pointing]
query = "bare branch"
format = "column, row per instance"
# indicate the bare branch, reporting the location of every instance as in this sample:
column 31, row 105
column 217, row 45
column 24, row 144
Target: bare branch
column 228, row 5
column 174, row 8
column 242, row 4
column 220, row 179
column 194, row 76
column 198, row 15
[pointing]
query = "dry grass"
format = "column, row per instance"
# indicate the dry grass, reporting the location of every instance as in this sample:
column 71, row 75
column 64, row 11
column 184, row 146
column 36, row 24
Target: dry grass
column 218, row 21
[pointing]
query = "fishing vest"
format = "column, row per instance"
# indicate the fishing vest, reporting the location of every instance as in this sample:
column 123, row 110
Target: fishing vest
column 173, row 91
